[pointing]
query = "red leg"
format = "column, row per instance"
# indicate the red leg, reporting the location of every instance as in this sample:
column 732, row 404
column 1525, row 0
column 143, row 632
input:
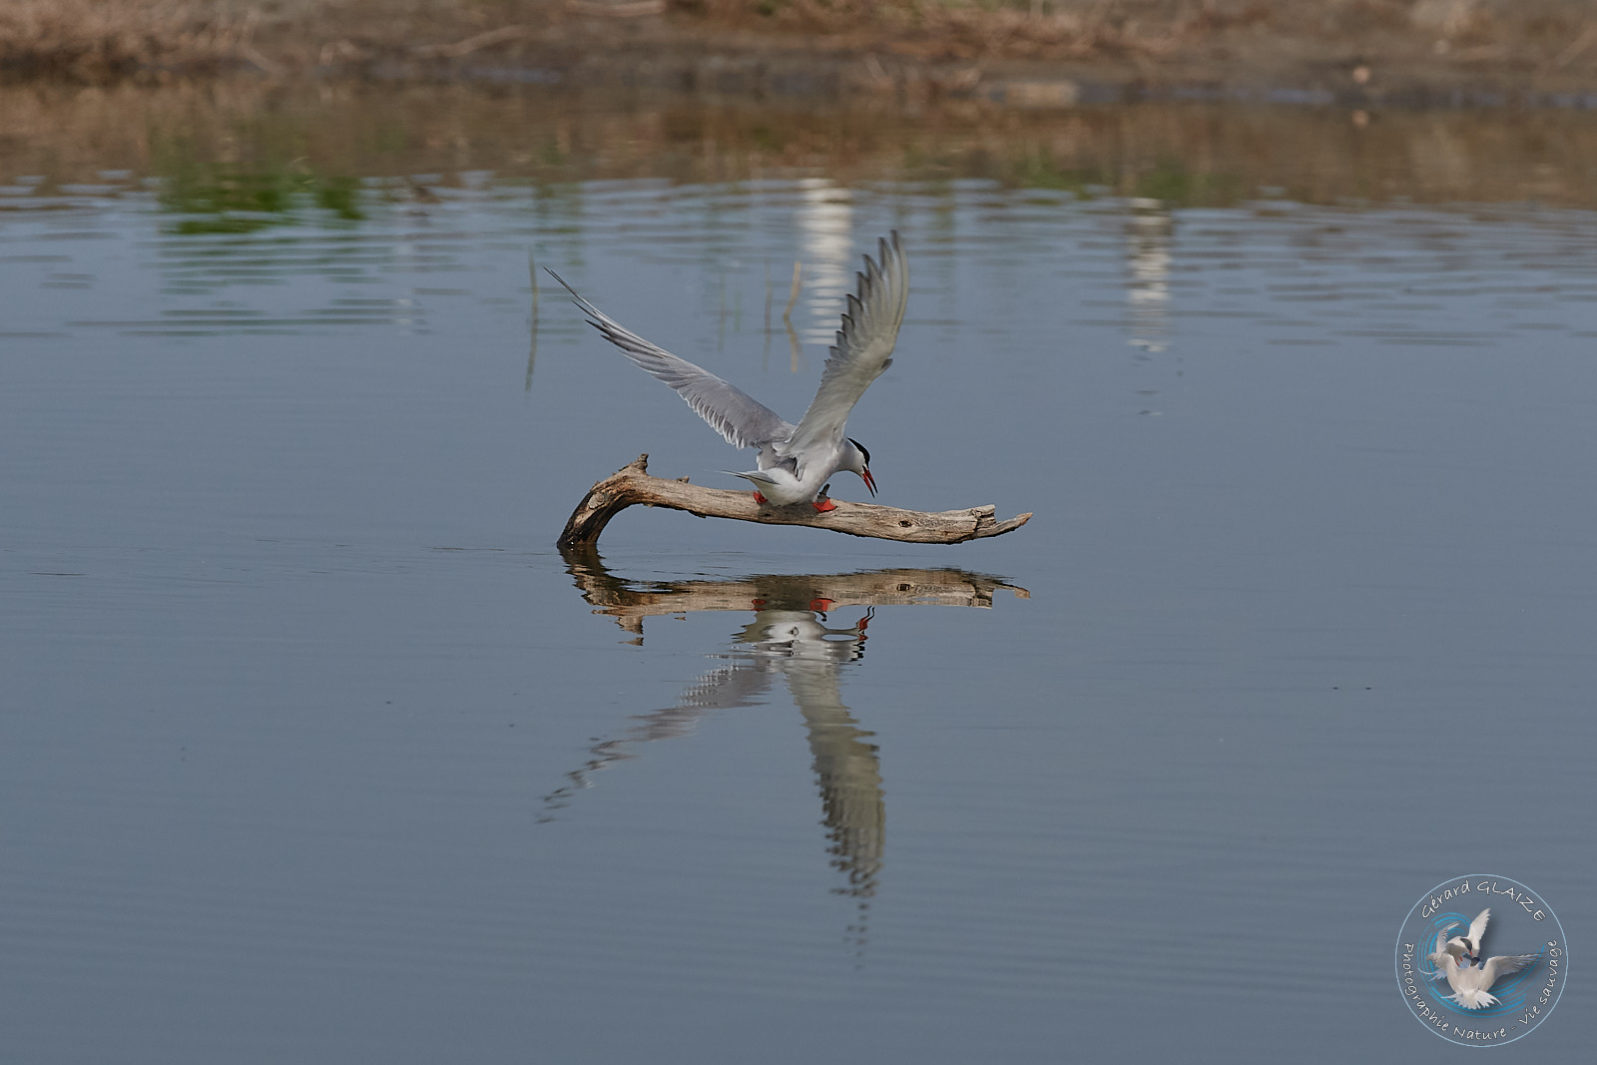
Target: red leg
column 823, row 505
column 761, row 500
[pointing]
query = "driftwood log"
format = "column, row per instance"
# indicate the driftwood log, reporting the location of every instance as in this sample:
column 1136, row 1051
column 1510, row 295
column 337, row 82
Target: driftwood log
column 632, row 484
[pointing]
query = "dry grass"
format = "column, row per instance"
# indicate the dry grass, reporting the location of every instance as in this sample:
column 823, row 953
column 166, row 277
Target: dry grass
column 1213, row 40
column 1523, row 30
column 969, row 29
column 96, row 40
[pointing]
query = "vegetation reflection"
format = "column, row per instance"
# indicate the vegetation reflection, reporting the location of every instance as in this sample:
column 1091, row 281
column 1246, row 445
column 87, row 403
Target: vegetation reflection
column 231, row 199
column 239, row 156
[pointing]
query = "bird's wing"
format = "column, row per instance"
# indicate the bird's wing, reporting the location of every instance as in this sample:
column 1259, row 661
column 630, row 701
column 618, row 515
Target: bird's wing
column 1477, row 927
column 1439, row 954
column 726, row 688
column 743, row 420
column 863, row 350
column 1500, row 966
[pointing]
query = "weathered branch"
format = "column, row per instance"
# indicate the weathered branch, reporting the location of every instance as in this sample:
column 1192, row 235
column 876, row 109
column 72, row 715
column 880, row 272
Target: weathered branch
column 632, row 484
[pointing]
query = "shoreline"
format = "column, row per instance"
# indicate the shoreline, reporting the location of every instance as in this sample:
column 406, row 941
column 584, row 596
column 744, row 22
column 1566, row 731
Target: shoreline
column 207, row 146
column 1534, row 54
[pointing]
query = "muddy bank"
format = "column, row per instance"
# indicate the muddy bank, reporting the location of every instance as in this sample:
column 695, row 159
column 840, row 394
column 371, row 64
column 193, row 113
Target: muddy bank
column 1040, row 54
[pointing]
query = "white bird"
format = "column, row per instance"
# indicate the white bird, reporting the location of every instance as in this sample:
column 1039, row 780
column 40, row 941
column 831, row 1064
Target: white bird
column 1471, row 943
column 1471, row 985
column 795, row 462
column 1448, row 953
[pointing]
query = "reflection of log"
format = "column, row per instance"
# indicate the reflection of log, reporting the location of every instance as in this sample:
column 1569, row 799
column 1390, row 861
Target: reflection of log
column 632, row 484
column 629, row 604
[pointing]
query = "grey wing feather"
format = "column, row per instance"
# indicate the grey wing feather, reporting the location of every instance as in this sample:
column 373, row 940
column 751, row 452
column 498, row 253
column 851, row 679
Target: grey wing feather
column 1477, row 927
column 727, row 688
column 1439, row 949
column 743, row 420
column 864, row 345
column 1503, row 964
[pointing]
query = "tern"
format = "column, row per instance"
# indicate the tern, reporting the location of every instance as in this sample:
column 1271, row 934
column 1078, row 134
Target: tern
column 1472, row 986
column 1471, row 943
column 1448, row 954
column 796, row 462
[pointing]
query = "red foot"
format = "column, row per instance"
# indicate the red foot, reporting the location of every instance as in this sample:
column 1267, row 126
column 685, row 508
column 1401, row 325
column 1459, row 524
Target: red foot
column 823, row 505
column 761, row 500
column 820, row 606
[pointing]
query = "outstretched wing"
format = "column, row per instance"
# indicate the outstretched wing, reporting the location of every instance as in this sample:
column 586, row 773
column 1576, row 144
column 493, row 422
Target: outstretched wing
column 1500, row 966
column 1477, row 928
column 1439, row 952
column 726, row 688
column 743, row 420
column 864, row 346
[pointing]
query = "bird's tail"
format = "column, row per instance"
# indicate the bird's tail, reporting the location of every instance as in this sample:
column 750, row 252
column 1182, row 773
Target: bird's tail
column 759, row 477
column 1473, row 999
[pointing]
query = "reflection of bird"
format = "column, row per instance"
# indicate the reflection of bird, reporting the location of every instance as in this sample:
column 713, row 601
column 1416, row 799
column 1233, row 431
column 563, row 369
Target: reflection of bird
column 795, row 461
column 799, row 634
column 809, row 655
column 1471, row 985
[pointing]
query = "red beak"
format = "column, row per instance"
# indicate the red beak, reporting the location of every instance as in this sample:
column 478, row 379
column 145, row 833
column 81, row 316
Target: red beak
column 870, row 482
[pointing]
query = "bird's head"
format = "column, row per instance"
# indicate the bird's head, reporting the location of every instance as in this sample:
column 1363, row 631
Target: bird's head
column 860, row 463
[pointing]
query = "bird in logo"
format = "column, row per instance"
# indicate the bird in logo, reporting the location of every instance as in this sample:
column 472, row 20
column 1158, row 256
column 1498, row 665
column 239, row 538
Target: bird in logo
column 1472, row 985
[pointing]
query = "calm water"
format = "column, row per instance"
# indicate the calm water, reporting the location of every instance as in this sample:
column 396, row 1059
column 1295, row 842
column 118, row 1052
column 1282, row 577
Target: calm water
column 312, row 748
